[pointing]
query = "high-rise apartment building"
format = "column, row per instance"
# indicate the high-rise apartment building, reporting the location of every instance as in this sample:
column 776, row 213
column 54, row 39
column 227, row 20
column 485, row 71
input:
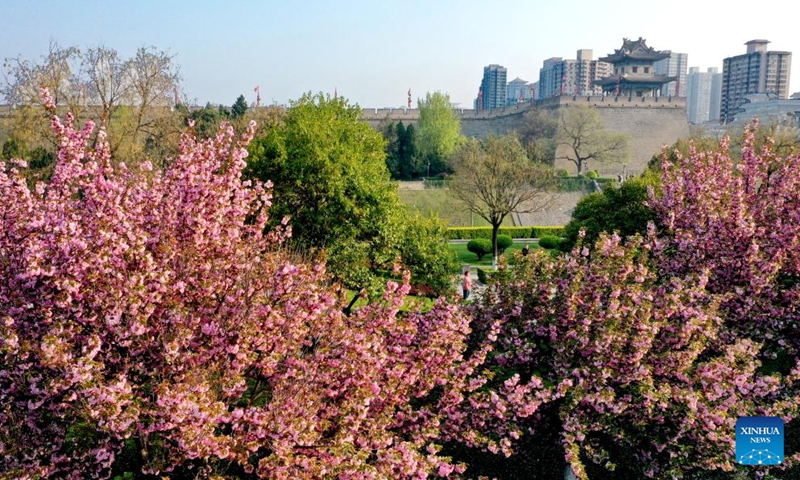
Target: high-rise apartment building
column 550, row 77
column 674, row 66
column 703, row 93
column 757, row 71
column 492, row 93
column 572, row 77
column 518, row 91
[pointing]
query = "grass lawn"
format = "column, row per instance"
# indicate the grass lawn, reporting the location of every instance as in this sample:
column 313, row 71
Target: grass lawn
column 467, row 257
column 437, row 201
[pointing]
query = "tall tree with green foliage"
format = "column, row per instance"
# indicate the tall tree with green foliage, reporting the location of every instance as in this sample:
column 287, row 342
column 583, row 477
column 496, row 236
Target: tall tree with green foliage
column 410, row 165
column 391, row 133
column 330, row 181
column 239, row 108
column 205, row 121
column 494, row 178
column 439, row 131
column 401, row 151
column 582, row 132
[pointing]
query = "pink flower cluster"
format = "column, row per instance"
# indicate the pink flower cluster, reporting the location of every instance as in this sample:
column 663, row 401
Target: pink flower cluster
column 657, row 345
column 146, row 313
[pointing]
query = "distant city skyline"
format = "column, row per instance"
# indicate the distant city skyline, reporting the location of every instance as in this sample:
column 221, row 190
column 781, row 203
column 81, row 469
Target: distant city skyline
column 374, row 52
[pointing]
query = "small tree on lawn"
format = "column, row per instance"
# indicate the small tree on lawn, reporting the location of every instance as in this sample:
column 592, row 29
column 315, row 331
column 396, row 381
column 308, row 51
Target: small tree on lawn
column 495, row 178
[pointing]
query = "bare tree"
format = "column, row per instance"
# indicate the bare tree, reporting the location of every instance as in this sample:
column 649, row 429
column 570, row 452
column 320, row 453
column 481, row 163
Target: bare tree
column 495, row 178
column 581, row 130
column 58, row 71
column 154, row 79
column 133, row 96
column 107, row 78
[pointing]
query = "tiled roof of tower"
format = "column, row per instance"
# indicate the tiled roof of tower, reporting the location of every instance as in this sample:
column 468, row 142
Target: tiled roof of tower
column 633, row 79
column 635, row 50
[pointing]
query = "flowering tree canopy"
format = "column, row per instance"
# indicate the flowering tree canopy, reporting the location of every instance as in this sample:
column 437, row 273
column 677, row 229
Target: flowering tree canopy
column 148, row 324
column 739, row 220
column 648, row 351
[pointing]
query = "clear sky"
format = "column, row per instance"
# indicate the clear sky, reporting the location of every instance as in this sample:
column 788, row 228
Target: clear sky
column 374, row 51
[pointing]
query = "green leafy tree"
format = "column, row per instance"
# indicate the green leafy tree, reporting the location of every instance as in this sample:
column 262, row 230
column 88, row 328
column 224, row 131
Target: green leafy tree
column 495, row 177
column 392, row 133
column 439, row 131
column 14, row 148
column 239, row 108
column 410, row 165
column 699, row 141
column 622, row 209
column 582, row 132
column 206, row 120
column 330, row 178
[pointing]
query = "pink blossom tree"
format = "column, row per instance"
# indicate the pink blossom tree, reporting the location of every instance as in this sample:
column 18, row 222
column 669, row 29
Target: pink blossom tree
column 646, row 353
column 148, row 324
column 740, row 220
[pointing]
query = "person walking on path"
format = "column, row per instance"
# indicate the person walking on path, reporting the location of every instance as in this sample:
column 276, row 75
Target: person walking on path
column 466, row 284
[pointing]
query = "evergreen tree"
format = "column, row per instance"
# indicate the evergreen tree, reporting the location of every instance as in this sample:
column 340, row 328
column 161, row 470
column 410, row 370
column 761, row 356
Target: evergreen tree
column 239, row 108
column 409, row 158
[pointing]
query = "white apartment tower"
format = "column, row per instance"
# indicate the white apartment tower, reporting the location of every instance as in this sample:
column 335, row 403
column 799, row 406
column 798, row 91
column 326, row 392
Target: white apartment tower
column 674, row 66
column 703, row 94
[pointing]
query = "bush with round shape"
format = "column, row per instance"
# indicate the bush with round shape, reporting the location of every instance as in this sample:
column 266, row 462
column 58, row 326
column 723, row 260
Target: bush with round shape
column 503, row 242
column 550, row 241
column 592, row 175
column 480, row 247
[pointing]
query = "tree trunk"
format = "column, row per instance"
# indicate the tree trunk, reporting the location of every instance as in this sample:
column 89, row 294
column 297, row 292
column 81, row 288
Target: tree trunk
column 495, row 228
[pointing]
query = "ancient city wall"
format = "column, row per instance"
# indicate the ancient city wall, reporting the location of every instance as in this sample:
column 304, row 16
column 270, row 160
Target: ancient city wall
column 651, row 122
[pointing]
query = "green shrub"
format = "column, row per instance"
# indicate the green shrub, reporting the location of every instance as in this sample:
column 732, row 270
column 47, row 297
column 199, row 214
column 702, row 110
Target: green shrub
column 620, row 208
column 503, row 242
column 463, row 233
column 562, row 172
column 41, row 158
column 549, row 241
column 480, row 247
column 539, row 232
column 483, row 275
column 592, row 174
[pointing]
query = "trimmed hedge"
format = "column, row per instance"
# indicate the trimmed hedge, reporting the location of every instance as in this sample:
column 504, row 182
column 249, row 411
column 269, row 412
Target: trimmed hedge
column 550, row 241
column 483, row 275
column 539, row 232
column 466, row 233
column 503, row 242
column 480, row 247
column 578, row 184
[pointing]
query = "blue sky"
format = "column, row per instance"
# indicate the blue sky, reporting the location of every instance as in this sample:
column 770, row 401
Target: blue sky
column 372, row 52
